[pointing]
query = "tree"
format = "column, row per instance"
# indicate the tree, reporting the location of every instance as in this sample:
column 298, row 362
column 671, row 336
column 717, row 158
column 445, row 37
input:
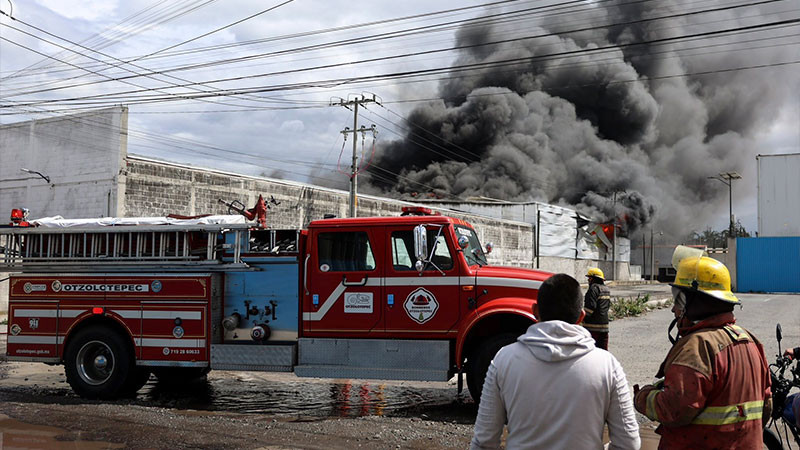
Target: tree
column 716, row 239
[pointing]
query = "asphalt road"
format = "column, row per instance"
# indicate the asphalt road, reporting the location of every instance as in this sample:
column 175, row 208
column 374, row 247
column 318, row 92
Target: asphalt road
column 269, row 410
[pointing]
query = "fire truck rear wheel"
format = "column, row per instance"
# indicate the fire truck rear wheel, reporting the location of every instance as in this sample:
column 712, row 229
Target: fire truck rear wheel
column 97, row 362
column 479, row 360
column 172, row 375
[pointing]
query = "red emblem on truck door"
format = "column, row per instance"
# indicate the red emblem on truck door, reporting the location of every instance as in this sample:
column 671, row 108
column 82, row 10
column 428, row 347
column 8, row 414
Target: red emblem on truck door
column 421, row 305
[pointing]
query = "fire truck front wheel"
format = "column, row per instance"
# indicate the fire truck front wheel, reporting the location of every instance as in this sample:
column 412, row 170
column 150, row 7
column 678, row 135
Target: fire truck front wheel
column 97, row 362
column 479, row 360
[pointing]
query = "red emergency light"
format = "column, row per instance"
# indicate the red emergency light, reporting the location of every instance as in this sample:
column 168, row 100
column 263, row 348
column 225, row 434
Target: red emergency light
column 418, row 211
column 18, row 216
column 98, row 310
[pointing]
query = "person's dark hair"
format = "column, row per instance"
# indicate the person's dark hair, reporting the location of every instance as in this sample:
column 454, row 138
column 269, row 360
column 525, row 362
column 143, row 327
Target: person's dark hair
column 560, row 299
column 700, row 305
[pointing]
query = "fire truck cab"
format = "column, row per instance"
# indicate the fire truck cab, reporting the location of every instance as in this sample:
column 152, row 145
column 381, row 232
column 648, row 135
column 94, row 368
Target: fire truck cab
column 409, row 297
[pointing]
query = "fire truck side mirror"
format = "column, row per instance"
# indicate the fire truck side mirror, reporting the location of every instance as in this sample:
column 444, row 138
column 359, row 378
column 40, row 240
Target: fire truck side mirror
column 489, row 247
column 421, row 243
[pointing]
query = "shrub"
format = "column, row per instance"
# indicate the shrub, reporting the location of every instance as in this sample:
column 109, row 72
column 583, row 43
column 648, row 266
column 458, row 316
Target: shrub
column 627, row 307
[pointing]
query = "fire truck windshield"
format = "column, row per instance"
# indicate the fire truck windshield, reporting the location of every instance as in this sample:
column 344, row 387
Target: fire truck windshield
column 473, row 252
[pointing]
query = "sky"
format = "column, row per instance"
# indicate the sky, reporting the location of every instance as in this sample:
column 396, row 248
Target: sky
column 568, row 124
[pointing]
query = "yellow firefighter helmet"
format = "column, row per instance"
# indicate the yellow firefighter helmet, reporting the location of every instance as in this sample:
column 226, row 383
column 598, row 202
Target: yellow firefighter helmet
column 706, row 275
column 595, row 272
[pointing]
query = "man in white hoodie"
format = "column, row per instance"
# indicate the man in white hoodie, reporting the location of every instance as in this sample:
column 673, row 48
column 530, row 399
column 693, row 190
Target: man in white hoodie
column 553, row 387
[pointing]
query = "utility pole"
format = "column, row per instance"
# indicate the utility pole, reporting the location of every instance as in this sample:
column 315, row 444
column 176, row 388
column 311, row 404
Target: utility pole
column 614, row 242
column 652, row 255
column 355, row 102
column 644, row 256
column 727, row 178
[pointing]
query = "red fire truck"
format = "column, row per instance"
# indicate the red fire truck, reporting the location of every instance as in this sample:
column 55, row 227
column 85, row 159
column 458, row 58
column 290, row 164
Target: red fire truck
column 409, row 297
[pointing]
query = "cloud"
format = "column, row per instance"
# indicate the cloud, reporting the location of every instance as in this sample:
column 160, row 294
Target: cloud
column 292, row 126
column 89, row 10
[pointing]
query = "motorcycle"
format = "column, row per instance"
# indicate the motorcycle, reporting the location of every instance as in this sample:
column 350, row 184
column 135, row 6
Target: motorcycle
column 781, row 385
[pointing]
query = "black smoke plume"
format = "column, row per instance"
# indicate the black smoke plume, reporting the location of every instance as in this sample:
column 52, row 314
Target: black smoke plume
column 645, row 123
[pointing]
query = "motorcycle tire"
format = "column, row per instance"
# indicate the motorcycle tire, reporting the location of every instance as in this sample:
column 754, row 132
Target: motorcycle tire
column 771, row 441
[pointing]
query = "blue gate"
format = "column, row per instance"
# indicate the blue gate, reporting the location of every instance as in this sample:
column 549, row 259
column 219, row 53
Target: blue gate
column 768, row 264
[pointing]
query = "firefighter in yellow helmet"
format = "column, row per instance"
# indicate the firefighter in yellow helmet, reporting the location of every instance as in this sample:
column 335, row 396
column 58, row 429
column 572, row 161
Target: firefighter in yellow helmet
column 596, row 303
column 714, row 387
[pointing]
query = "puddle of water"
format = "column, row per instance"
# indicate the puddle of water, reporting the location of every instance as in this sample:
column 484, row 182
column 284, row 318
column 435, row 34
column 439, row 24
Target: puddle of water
column 19, row 435
column 338, row 398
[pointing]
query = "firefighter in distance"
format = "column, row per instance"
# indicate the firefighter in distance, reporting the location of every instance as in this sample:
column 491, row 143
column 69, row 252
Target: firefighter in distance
column 595, row 304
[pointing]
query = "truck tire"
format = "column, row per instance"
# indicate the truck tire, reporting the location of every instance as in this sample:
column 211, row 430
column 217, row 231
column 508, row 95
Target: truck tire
column 97, row 362
column 174, row 375
column 479, row 360
column 137, row 378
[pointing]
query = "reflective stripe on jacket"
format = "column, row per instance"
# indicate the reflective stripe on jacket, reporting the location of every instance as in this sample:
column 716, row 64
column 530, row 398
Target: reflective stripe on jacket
column 716, row 389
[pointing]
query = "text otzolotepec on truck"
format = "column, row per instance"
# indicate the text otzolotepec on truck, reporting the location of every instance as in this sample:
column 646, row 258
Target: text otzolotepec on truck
column 402, row 298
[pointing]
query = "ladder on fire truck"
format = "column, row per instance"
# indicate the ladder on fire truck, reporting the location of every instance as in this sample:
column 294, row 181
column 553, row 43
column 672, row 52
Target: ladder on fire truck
column 123, row 248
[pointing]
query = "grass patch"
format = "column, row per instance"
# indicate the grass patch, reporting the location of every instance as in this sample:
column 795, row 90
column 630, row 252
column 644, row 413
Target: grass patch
column 628, row 307
column 4, row 322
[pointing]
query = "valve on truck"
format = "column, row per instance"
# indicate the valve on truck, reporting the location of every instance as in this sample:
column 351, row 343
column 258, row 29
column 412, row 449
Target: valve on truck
column 258, row 212
column 231, row 322
column 274, row 308
column 260, row 332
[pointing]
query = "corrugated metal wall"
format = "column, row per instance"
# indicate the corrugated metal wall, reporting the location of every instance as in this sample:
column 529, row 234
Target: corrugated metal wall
column 768, row 264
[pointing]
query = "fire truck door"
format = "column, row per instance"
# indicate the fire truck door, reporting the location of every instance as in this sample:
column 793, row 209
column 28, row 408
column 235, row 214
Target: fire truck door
column 342, row 283
column 426, row 304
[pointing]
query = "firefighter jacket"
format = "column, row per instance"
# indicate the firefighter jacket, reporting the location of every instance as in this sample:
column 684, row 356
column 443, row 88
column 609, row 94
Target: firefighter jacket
column 596, row 303
column 716, row 389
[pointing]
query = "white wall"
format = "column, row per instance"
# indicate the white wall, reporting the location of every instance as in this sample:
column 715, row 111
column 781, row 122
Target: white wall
column 779, row 195
column 81, row 154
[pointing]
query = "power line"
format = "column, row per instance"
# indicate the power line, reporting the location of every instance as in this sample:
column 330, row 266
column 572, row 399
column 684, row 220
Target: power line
column 113, row 38
column 120, row 96
column 95, row 59
column 463, row 75
column 331, row 30
column 209, row 64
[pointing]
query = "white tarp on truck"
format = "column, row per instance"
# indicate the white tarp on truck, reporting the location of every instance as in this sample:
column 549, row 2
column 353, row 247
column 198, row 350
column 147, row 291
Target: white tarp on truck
column 60, row 222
